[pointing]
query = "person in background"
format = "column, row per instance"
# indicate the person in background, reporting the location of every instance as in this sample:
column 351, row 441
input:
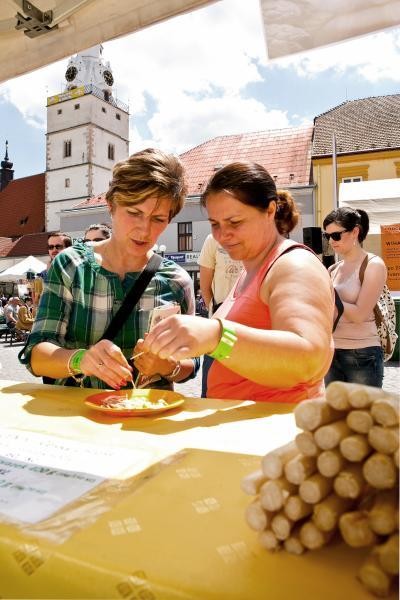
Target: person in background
column 26, row 315
column 87, row 284
column 271, row 338
column 201, row 308
column 56, row 242
column 11, row 311
column 358, row 355
column 218, row 273
column 97, row 233
column 3, row 302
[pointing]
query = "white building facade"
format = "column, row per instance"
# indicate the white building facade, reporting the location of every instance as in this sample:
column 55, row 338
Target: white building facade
column 87, row 133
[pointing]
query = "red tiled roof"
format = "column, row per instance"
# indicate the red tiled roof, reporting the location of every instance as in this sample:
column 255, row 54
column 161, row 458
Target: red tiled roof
column 22, row 206
column 285, row 153
column 34, row 243
column 6, row 245
column 367, row 124
column 99, row 200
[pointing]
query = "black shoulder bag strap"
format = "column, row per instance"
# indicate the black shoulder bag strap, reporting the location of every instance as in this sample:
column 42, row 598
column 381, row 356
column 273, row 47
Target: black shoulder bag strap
column 132, row 298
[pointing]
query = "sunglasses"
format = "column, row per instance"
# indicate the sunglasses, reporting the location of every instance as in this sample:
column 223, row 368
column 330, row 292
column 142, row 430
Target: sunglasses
column 336, row 235
column 94, row 240
column 55, row 247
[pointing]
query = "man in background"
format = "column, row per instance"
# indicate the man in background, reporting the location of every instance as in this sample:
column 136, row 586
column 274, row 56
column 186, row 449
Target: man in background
column 56, row 242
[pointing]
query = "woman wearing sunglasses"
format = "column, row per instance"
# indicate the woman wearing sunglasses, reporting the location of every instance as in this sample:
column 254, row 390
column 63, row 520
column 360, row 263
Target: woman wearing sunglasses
column 358, row 356
column 97, row 233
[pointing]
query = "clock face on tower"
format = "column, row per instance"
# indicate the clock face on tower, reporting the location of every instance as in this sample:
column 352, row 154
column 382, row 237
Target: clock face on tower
column 108, row 78
column 71, row 73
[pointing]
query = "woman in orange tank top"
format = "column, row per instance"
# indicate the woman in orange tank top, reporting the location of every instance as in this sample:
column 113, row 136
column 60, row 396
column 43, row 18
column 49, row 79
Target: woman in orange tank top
column 271, row 338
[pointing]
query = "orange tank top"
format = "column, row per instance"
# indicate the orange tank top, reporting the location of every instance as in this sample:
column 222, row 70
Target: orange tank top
column 248, row 309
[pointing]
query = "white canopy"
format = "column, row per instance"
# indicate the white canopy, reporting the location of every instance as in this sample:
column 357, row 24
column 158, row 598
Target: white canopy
column 33, row 34
column 20, row 269
column 379, row 198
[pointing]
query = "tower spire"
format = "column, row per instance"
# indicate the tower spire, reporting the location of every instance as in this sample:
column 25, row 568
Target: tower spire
column 6, row 171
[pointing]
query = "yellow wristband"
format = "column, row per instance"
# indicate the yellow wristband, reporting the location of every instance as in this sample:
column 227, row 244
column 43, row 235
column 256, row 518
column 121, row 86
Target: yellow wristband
column 227, row 340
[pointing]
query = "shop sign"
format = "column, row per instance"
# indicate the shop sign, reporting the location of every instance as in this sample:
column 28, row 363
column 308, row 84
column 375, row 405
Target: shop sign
column 192, row 256
column 390, row 247
column 178, row 258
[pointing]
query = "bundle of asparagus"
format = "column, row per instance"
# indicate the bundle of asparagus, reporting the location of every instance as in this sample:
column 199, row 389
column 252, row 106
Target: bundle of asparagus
column 339, row 474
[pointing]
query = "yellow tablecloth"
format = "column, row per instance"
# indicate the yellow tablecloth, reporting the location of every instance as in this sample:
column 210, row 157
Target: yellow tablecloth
column 180, row 531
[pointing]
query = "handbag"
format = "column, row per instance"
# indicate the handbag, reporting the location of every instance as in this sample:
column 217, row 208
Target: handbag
column 385, row 315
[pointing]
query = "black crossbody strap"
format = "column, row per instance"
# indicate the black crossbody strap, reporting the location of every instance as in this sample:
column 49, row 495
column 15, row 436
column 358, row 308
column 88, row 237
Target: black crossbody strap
column 132, row 298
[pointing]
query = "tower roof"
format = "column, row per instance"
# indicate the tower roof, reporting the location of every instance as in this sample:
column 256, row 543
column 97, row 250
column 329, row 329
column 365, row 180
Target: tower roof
column 6, row 164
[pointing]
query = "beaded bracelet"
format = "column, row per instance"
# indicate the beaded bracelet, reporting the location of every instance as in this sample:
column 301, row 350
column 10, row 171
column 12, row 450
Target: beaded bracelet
column 74, row 365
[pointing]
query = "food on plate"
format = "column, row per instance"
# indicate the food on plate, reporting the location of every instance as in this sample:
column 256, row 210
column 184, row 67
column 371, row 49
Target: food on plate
column 134, row 403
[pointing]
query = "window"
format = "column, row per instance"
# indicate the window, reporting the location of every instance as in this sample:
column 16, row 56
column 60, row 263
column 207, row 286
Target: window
column 103, row 109
column 351, row 179
column 111, row 151
column 67, row 182
column 185, row 239
column 118, row 117
column 77, row 106
column 59, row 111
column 67, row 148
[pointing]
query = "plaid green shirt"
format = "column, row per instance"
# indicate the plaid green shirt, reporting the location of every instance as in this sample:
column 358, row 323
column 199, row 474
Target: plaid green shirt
column 80, row 298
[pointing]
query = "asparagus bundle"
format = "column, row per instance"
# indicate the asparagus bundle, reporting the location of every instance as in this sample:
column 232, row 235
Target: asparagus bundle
column 339, row 475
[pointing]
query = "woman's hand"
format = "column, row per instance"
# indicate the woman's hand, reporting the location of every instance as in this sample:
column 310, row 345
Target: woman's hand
column 150, row 364
column 183, row 336
column 105, row 361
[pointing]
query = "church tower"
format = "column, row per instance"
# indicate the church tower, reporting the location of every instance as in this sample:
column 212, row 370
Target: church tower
column 87, row 133
column 6, row 171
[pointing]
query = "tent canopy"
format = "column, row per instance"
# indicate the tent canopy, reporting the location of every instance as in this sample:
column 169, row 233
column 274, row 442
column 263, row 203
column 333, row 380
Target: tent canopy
column 34, row 34
column 379, row 198
column 20, row 269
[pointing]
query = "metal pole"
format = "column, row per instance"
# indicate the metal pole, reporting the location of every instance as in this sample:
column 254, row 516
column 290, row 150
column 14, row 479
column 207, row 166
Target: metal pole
column 334, row 174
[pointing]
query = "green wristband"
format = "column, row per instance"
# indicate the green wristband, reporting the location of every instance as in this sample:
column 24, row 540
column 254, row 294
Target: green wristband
column 227, row 341
column 75, row 361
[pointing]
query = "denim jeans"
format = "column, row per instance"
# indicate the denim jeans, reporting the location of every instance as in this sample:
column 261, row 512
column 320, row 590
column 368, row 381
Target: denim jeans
column 363, row 365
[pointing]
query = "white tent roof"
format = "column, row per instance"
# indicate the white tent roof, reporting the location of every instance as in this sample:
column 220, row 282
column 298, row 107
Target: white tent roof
column 69, row 26
column 379, row 198
column 299, row 25
column 19, row 270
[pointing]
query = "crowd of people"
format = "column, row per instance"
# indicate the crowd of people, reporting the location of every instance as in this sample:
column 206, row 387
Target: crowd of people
column 269, row 302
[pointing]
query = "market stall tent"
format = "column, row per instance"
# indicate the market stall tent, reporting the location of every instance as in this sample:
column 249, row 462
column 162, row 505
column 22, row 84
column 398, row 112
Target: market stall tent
column 34, row 34
column 21, row 268
column 379, row 198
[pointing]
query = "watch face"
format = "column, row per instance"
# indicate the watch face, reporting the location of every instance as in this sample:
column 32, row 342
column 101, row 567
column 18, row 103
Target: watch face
column 108, row 78
column 71, row 73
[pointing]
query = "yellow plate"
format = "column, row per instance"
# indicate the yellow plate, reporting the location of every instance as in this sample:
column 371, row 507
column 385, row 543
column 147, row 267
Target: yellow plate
column 101, row 402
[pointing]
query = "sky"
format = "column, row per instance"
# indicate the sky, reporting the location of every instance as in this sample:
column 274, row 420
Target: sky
column 202, row 75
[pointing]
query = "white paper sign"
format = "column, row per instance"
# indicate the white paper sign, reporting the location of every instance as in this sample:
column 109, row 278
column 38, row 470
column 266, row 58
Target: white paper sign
column 57, row 452
column 39, row 474
column 31, row 493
